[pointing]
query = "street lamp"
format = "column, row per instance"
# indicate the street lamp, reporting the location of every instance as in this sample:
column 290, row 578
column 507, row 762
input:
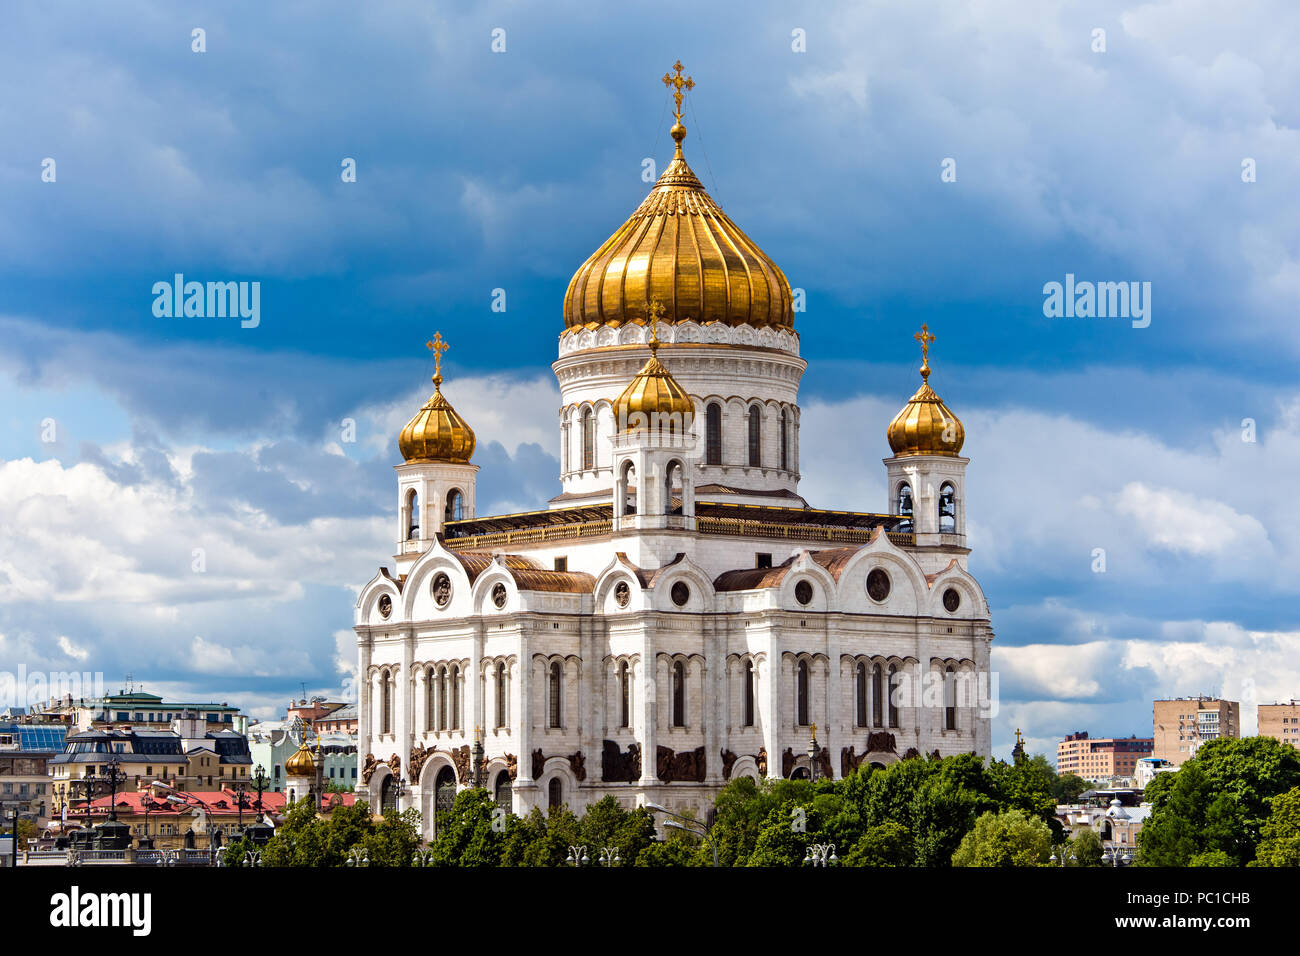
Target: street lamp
column 689, row 824
column 1068, row 856
column 821, row 854
column 577, row 856
column 812, row 754
column 476, row 771
column 358, row 856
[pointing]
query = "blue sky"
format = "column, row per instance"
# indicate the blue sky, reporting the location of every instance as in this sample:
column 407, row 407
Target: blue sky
column 479, row 170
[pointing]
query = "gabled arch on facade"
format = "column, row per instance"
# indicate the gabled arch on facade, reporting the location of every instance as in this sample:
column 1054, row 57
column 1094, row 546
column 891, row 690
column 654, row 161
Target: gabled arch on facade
column 825, row 588
column 974, row 603
column 416, row 587
column 903, row 571
column 682, row 568
column 366, row 610
column 559, row 769
column 620, row 568
column 746, row 766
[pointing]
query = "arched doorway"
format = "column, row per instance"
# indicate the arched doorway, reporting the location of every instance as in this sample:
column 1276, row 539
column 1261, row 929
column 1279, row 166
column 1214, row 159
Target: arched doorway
column 387, row 795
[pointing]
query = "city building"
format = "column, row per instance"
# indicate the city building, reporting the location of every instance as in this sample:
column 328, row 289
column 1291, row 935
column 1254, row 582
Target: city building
column 132, row 710
column 1182, row 724
column 341, row 721
column 315, row 709
column 26, row 750
column 1148, row 767
column 1101, row 758
column 1281, row 721
column 272, row 749
column 679, row 615
column 187, row 757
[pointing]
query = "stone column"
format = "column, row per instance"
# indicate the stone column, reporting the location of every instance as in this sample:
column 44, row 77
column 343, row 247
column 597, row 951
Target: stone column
column 649, row 703
column 713, row 706
column 770, row 703
column 521, row 696
column 404, row 702
column 364, row 702
column 834, row 696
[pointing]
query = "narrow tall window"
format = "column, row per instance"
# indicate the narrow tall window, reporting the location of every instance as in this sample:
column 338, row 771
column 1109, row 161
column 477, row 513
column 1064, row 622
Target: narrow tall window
column 625, row 695
column 785, row 439
column 749, row 693
column 861, row 694
column 429, row 698
column 950, row 700
column 555, row 682
column 455, row 509
column 386, row 705
column 801, row 694
column 501, row 694
column 454, row 677
column 947, row 508
column 554, row 793
column 412, row 516
column 713, row 434
column 877, row 697
column 893, row 696
column 442, row 698
column 905, row 500
column 755, row 436
column 679, row 694
column 588, row 439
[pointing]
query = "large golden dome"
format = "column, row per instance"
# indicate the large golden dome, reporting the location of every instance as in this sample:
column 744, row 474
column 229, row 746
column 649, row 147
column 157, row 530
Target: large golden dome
column 653, row 398
column 437, row 432
column 681, row 247
column 926, row 426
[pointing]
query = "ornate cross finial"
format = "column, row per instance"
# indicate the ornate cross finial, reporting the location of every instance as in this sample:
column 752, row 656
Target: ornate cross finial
column 1018, row 738
column 654, row 311
column 677, row 84
column 437, row 346
column 925, row 337
column 813, row 728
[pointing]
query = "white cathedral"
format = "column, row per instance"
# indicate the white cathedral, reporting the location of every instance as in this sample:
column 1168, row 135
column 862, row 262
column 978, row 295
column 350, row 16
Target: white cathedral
column 679, row 615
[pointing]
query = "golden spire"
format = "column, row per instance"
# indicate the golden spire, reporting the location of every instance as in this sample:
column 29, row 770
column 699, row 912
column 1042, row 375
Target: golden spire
column 437, row 346
column 926, row 338
column 677, row 84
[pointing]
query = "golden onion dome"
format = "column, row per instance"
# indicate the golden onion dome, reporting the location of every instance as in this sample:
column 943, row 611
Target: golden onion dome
column 301, row 763
column 437, row 433
column 926, row 426
column 681, row 247
column 653, row 393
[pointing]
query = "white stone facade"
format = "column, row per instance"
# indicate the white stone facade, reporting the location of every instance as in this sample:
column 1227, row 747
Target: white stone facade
column 531, row 627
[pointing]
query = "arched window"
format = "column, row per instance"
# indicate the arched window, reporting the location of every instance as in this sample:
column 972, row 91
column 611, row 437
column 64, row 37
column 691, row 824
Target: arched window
column 877, row 697
column 801, row 694
column 893, row 696
column 455, row 510
column 713, row 434
column 454, row 679
column 501, row 693
column 444, row 791
column 679, row 694
column 950, row 699
column 429, row 697
column 749, row 693
column 554, row 685
column 588, row 439
column 625, row 695
column 442, row 698
column 947, row 507
column 412, row 515
column 905, row 501
column 755, row 436
column 673, row 484
column 860, row 689
column 554, row 793
column 785, row 439
column 386, row 704
column 501, row 792
column 388, row 796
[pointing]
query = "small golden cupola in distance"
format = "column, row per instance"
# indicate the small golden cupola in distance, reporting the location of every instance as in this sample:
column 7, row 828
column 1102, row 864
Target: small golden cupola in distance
column 437, row 432
column 925, row 425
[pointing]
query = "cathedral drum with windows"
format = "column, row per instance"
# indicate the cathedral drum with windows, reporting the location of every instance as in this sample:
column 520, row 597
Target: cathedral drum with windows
column 679, row 615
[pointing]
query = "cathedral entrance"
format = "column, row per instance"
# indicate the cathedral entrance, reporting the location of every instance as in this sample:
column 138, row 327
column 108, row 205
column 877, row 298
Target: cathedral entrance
column 388, row 795
column 502, row 791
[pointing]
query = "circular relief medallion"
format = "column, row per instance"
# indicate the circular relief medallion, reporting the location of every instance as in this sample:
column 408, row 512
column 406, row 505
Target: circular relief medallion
column 385, row 605
column 951, row 600
column 681, row 593
column 878, row 584
column 441, row 589
column 803, row 592
column 499, row 595
column 622, row 594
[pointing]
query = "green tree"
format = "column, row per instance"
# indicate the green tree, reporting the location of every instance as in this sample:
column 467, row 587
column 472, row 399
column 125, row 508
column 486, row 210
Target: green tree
column 885, row 844
column 607, row 824
column 1212, row 858
column 1279, row 843
column 394, row 839
column 1086, row 848
column 1068, row 786
column 1008, row 838
column 1218, row 800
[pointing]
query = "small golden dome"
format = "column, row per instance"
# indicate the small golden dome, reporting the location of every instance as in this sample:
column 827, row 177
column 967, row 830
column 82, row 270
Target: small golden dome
column 301, row 763
column 681, row 247
column 653, row 393
column 437, row 433
column 926, row 426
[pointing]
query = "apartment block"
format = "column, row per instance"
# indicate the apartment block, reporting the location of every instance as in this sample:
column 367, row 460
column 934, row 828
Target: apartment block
column 1181, row 725
column 1281, row 721
column 1101, row 758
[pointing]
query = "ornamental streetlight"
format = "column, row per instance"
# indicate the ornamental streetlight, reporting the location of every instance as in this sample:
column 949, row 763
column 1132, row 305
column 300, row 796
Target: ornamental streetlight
column 577, row 856
column 821, row 854
column 812, row 754
column 358, row 856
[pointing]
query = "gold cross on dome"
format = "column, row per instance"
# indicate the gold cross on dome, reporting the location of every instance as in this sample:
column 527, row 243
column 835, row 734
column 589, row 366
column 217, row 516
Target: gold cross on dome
column 677, row 84
column 813, row 728
column 437, row 346
column 926, row 338
column 654, row 312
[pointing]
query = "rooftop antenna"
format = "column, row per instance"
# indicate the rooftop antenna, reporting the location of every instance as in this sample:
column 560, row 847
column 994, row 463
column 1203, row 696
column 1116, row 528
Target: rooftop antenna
column 130, row 683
